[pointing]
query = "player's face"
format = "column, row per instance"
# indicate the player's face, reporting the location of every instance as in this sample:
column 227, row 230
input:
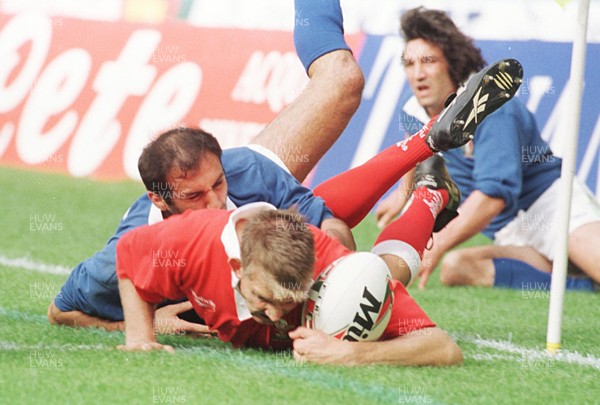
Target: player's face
column 260, row 293
column 427, row 73
column 204, row 187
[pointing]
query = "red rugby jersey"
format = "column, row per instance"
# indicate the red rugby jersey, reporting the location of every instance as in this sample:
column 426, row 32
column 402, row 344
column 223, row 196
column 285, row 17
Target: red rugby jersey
column 187, row 256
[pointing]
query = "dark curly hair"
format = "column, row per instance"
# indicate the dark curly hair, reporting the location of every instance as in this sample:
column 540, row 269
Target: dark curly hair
column 434, row 26
column 180, row 148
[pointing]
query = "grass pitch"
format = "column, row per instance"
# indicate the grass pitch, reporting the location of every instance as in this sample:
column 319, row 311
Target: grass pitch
column 52, row 220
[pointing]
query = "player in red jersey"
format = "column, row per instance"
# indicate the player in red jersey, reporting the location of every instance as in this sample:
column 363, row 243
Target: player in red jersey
column 246, row 273
column 229, row 265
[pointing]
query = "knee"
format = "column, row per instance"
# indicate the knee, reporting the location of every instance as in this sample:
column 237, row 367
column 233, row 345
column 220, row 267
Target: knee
column 340, row 69
column 454, row 268
column 352, row 82
column 583, row 237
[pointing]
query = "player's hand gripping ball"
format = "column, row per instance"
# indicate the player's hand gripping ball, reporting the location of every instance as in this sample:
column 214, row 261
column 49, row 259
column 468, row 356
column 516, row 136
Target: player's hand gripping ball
column 351, row 299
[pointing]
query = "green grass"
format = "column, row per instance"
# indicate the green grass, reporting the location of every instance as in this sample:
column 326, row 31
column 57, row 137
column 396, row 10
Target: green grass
column 40, row 363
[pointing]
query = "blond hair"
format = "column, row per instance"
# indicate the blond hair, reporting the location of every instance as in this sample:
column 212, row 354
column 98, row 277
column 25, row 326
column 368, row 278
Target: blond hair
column 279, row 243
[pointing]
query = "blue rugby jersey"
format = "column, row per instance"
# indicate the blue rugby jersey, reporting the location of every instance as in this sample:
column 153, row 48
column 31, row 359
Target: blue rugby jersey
column 509, row 160
column 92, row 286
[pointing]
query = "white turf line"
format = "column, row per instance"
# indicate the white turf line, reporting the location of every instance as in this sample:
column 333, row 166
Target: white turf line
column 518, row 353
column 524, row 355
column 28, row 264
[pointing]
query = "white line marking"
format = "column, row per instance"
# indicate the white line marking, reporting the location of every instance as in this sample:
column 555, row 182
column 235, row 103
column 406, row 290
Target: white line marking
column 20, row 316
column 28, row 264
column 525, row 354
column 490, row 357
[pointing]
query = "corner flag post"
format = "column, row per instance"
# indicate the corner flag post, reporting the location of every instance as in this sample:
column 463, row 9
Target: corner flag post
column 571, row 133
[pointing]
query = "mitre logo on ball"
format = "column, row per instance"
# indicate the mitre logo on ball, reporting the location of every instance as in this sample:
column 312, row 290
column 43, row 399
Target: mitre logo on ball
column 351, row 299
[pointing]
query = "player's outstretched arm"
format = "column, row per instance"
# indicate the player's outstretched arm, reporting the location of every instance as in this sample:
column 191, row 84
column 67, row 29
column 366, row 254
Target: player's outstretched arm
column 80, row 319
column 139, row 318
column 423, row 347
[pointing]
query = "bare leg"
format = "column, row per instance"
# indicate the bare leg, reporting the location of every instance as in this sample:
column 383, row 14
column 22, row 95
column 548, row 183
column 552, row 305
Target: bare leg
column 302, row 133
column 474, row 266
column 583, row 249
column 398, row 268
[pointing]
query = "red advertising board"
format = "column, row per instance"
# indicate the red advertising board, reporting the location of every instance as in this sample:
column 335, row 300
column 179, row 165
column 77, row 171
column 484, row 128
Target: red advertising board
column 83, row 97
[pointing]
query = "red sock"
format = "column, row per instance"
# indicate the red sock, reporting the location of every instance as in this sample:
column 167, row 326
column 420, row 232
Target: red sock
column 352, row 194
column 415, row 225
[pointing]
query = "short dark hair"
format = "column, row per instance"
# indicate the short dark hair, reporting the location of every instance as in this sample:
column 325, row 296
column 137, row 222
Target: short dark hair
column 434, row 26
column 180, row 148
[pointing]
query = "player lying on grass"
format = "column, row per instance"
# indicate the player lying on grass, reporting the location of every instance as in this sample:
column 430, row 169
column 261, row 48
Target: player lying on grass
column 247, row 272
column 235, row 267
column 90, row 296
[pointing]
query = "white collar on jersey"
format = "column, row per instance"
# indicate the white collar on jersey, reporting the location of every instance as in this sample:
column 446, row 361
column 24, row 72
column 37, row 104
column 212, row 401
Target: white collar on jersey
column 414, row 109
column 229, row 236
column 155, row 214
column 231, row 244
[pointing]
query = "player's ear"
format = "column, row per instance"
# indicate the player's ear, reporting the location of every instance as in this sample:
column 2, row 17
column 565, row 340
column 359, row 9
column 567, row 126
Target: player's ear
column 236, row 266
column 157, row 201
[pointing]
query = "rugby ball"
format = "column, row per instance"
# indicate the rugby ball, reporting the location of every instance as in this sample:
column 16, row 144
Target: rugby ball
column 351, row 299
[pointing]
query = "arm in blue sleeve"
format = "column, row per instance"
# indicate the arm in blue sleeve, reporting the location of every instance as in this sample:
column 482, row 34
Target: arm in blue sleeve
column 92, row 285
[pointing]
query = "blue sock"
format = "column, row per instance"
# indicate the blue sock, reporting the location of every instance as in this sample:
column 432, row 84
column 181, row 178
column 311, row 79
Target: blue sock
column 318, row 29
column 516, row 274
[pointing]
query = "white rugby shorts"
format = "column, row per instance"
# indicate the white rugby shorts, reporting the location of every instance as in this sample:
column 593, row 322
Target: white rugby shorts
column 537, row 227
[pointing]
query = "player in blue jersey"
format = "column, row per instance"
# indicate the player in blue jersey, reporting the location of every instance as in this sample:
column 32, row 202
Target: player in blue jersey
column 507, row 176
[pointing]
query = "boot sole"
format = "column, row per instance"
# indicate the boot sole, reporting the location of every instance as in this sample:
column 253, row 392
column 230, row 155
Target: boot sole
column 487, row 91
